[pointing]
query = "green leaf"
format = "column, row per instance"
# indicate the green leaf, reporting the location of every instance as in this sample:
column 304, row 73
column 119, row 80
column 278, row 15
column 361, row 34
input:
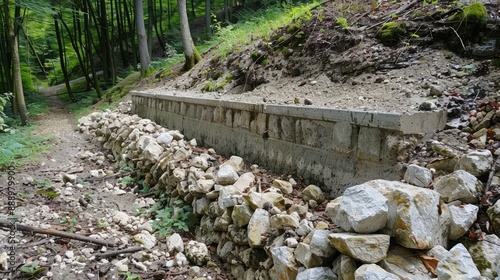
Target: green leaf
column 13, row 145
column 6, row 152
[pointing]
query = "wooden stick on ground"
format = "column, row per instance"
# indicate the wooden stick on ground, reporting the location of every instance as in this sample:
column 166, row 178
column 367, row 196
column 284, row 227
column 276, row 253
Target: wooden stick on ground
column 117, row 252
column 26, row 228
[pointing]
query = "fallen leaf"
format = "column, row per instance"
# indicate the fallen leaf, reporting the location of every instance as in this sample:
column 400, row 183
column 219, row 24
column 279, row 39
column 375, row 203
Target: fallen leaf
column 429, row 262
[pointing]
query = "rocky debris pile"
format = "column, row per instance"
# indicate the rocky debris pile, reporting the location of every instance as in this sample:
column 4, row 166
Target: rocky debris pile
column 274, row 229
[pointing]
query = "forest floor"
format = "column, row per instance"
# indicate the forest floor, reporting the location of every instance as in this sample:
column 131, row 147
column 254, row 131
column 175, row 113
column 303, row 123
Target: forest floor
column 316, row 63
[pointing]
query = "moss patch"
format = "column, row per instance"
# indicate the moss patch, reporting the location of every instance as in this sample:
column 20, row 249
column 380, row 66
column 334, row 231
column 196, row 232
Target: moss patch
column 474, row 13
column 390, row 32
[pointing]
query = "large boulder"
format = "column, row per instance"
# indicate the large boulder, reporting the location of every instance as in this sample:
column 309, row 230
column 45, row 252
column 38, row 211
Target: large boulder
column 258, row 226
column 461, row 219
column 459, row 185
column 284, row 267
column 414, row 217
column 366, row 248
column 304, row 256
column 362, row 209
column 477, row 163
column 457, row 264
column 197, row 253
column 486, row 255
column 320, row 245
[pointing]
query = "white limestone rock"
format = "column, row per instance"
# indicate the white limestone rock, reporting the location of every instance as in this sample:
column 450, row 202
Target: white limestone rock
column 373, row 272
column 477, row 163
column 305, row 226
column 494, row 215
column 457, row 264
column 344, row 267
column 462, row 218
column 226, row 175
column 459, row 185
column 418, row 176
column 486, row 255
column 284, row 186
column 437, row 252
column 121, row 218
column 414, row 219
column 285, row 266
column 259, row 200
column 164, row 138
column 319, row 245
column 197, row 253
column 4, row 261
column 201, row 162
column 304, row 256
column 175, row 243
column 403, row 263
column 244, row 182
column 241, row 215
column 258, row 225
column 313, row 192
column 332, row 208
column 236, row 162
column 317, row 273
column 202, row 186
column 145, row 238
column 362, row 209
column 366, row 248
column 282, row 221
column 180, row 259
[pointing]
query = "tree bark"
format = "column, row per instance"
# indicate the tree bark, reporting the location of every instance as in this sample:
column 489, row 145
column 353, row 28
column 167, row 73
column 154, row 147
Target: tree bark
column 16, row 67
column 144, row 57
column 62, row 57
column 190, row 53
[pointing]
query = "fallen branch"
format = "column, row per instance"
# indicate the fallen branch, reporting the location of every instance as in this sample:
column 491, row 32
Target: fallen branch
column 7, row 224
column 118, row 252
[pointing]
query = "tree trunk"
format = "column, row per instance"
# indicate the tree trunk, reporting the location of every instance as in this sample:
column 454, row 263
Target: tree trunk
column 190, row 53
column 141, row 37
column 62, row 57
column 16, row 66
column 208, row 20
column 150, row 26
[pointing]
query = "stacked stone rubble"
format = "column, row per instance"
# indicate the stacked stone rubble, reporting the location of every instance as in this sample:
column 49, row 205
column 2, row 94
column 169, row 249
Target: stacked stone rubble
column 381, row 229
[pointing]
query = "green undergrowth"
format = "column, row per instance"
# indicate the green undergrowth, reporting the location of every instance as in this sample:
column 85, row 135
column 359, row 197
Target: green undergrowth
column 257, row 25
column 19, row 146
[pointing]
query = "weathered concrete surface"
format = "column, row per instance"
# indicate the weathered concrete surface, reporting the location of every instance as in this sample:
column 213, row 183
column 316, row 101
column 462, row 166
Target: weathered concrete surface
column 334, row 148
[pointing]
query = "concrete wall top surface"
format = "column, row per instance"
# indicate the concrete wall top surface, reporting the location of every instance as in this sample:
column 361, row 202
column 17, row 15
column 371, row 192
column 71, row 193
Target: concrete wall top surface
column 413, row 123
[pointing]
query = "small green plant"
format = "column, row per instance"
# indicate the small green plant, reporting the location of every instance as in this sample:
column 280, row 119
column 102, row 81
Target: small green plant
column 33, row 269
column 210, row 86
column 101, row 223
column 24, row 195
column 131, row 276
column 173, row 219
column 46, row 189
column 342, row 22
column 128, row 180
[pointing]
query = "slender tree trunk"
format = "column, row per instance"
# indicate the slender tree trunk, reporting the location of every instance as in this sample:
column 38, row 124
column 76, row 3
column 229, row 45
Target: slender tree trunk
column 159, row 31
column 226, row 10
column 150, row 26
column 193, row 12
column 131, row 35
column 62, row 57
column 208, row 20
column 190, row 53
column 141, row 37
column 20, row 103
column 89, row 51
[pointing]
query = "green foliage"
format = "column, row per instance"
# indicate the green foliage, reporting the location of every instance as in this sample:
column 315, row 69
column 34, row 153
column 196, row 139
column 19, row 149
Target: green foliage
column 46, row 189
column 259, row 24
column 4, row 98
column 210, row 86
column 173, row 219
column 342, row 22
column 33, row 269
column 21, row 146
column 128, row 180
column 101, row 223
column 131, row 276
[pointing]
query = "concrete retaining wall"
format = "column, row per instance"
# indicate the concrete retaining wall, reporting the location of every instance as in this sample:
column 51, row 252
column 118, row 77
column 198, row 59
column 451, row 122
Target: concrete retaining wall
column 332, row 148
